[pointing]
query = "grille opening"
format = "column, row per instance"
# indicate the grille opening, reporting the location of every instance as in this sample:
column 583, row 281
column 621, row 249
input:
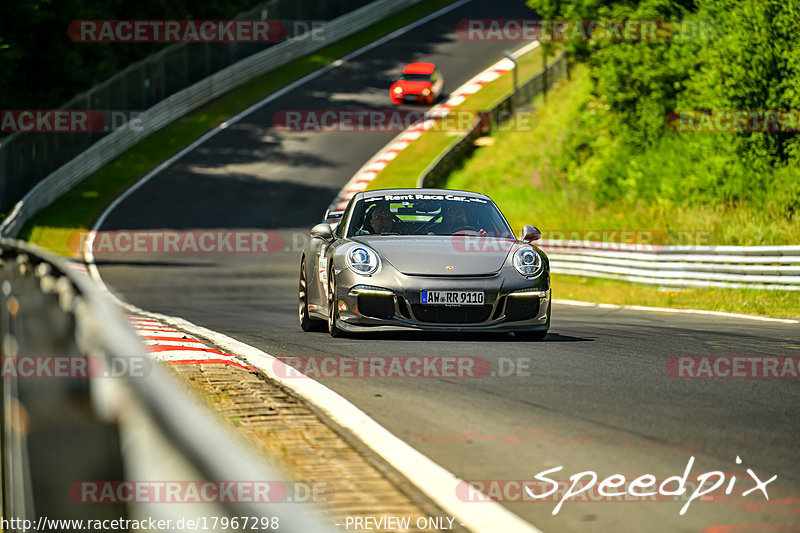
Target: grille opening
column 376, row 305
column 438, row 314
column 522, row 308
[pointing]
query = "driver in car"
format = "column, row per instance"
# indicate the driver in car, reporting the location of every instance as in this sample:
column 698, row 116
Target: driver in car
column 454, row 219
column 379, row 220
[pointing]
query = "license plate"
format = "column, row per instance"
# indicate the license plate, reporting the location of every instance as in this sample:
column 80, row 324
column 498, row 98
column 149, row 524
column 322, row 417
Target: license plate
column 451, row 297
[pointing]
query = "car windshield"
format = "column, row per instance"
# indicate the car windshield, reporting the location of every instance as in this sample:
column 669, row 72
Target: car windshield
column 424, row 214
column 416, row 77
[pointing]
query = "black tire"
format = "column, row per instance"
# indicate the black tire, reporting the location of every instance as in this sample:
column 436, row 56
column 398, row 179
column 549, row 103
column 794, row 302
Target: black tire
column 306, row 322
column 333, row 308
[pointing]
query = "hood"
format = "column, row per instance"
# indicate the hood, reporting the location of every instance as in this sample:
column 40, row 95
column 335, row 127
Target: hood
column 431, row 255
column 413, row 87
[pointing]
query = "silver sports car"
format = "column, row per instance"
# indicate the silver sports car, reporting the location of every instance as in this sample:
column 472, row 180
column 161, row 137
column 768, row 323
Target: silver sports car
column 424, row 259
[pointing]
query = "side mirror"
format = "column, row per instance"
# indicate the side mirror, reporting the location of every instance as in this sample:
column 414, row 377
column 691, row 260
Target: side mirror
column 531, row 233
column 322, row 231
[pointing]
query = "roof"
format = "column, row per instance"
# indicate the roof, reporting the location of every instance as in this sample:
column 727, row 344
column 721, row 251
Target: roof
column 419, row 68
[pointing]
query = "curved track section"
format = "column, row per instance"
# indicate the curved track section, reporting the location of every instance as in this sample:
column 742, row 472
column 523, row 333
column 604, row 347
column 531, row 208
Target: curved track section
column 596, row 395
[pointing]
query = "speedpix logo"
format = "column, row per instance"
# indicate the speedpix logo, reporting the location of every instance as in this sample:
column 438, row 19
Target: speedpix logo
column 616, row 487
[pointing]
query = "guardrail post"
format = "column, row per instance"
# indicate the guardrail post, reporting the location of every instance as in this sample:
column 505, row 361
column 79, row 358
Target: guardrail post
column 4, row 177
column 514, row 103
column 544, row 74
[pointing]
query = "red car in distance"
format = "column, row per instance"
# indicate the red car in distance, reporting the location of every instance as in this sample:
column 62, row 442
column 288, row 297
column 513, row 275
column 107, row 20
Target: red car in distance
column 420, row 83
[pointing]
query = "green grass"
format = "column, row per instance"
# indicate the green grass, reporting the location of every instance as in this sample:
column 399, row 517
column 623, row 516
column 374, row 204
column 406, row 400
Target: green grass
column 777, row 304
column 405, row 169
column 80, row 207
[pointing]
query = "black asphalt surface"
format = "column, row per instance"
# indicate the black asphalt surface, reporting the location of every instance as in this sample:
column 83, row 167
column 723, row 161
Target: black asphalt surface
column 595, row 395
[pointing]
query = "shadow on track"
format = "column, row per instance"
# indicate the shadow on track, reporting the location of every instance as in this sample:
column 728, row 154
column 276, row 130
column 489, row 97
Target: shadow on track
column 435, row 336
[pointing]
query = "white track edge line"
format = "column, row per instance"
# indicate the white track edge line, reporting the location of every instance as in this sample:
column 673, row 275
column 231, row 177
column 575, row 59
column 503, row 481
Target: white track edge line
column 428, row 477
column 580, row 303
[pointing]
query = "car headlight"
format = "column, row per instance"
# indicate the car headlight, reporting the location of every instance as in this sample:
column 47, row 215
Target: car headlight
column 362, row 260
column 398, row 90
column 426, row 92
column 527, row 262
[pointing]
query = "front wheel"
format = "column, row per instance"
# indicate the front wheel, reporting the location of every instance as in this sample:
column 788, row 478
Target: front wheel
column 333, row 308
column 306, row 322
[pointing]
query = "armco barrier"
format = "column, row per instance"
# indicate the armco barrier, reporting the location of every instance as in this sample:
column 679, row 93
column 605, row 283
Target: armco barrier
column 134, row 426
column 186, row 100
column 740, row 267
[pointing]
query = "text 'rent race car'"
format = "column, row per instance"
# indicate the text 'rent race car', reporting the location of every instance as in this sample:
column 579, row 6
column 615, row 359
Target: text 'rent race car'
column 425, row 259
column 420, row 83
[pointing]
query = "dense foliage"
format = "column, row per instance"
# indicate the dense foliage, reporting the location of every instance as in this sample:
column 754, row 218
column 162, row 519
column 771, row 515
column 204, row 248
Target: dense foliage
column 717, row 55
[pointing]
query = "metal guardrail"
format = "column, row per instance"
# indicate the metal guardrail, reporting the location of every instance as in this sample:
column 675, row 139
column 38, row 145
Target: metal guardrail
column 436, row 173
column 89, row 426
column 741, row 267
column 112, row 145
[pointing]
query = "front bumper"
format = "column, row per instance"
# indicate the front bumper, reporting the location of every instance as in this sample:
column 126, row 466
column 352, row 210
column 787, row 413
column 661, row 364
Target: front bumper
column 410, row 98
column 511, row 303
